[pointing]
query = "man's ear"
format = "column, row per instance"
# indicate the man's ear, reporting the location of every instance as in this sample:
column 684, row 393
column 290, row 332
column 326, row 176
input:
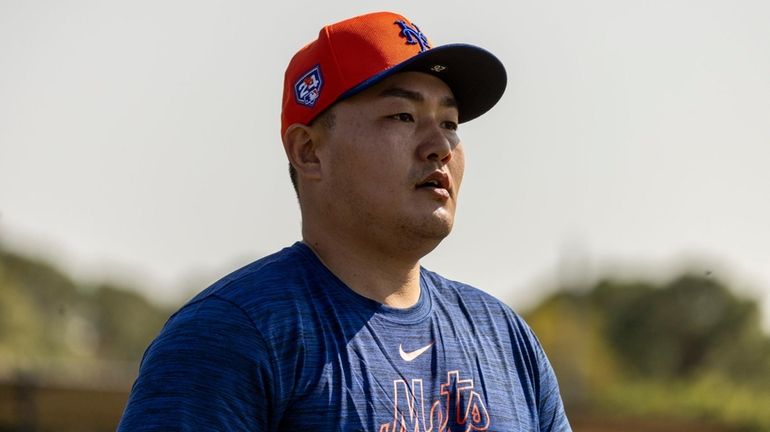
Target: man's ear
column 301, row 146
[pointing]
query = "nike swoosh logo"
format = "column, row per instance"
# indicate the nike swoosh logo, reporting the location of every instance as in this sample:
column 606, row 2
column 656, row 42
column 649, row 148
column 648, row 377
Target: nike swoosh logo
column 409, row 356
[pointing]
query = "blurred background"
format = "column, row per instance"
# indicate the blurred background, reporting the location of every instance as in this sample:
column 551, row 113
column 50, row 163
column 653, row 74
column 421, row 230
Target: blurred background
column 617, row 196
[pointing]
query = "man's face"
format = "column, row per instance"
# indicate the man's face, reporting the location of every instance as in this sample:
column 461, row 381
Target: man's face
column 393, row 162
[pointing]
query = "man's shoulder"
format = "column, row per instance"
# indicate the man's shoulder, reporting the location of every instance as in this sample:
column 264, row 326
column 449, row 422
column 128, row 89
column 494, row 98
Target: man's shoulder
column 481, row 307
column 272, row 283
column 446, row 287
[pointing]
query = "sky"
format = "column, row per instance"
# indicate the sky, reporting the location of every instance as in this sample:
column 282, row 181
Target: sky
column 140, row 140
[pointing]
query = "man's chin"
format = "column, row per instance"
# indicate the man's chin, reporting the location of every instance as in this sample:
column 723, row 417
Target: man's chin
column 436, row 227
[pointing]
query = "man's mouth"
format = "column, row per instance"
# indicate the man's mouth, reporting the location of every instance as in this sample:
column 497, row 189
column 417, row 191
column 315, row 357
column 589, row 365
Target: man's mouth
column 430, row 183
column 436, row 180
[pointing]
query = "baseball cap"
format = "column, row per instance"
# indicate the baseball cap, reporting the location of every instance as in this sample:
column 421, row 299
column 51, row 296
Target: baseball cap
column 357, row 53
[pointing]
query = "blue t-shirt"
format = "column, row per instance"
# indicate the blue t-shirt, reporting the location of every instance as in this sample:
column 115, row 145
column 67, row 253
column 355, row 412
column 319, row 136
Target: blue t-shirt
column 283, row 345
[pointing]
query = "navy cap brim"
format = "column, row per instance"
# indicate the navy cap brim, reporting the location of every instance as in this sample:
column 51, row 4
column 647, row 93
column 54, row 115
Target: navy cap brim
column 476, row 77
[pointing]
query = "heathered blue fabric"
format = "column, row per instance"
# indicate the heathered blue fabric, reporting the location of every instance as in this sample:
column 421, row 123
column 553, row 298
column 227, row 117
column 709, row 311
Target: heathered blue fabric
column 284, row 345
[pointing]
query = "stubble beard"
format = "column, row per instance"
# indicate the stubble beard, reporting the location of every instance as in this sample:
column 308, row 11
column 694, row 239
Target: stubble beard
column 406, row 235
column 408, row 232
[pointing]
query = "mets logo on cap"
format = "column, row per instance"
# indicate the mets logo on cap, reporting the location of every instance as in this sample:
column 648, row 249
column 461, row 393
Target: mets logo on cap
column 413, row 35
column 308, row 87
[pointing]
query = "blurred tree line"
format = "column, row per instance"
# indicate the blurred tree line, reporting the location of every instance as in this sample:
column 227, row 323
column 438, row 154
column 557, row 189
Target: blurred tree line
column 46, row 315
column 688, row 349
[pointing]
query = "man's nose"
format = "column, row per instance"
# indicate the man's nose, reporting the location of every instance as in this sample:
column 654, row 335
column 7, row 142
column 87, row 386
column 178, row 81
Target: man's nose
column 436, row 145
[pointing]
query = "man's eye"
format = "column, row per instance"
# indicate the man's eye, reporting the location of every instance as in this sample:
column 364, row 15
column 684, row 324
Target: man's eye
column 405, row 117
column 450, row 125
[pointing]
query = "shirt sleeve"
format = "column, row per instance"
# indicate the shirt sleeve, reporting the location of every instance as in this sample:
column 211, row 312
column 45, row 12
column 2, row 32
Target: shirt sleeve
column 553, row 418
column 208, row 370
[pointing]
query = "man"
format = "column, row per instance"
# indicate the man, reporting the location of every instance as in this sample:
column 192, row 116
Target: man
column 344, row 330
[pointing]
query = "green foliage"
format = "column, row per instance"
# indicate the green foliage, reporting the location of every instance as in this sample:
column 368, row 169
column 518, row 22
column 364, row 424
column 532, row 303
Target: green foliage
column 571, row 329
column 690, row 349
column 45, row 314
column 710, row 398
column 34, row 304
column 125, row 321
column 692, row 324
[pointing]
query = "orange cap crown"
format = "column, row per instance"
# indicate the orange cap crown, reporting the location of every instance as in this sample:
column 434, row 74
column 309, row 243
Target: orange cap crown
column 351, row 55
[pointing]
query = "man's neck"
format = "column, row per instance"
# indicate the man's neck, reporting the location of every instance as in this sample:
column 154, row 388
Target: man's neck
column 375, row 274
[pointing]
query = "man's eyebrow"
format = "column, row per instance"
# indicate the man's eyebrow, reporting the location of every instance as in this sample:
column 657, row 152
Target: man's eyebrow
column 415, row 96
